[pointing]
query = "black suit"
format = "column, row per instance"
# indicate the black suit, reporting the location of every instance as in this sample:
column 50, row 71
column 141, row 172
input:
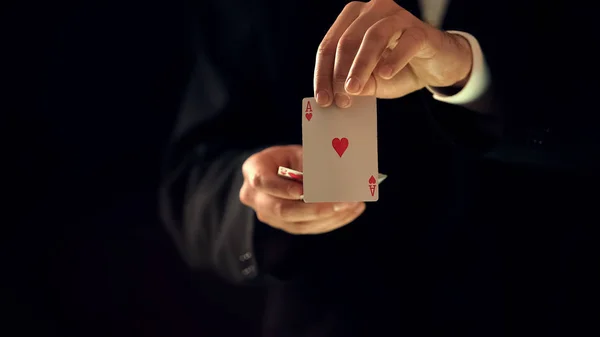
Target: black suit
column 473, row 234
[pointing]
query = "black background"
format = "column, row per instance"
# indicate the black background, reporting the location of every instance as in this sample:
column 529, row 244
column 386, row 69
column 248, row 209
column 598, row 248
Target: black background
column 94, row 88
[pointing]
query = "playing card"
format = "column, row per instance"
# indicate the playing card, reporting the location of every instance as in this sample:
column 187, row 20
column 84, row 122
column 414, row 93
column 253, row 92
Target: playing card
column 298, row 176
column 340, row 151
column 289, row 173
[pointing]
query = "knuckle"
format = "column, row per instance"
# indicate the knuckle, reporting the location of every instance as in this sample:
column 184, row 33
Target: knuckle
column 400, row 14
column 323, row 211
column 327, row 48
column 290, row 189
column 377, row 33
column 303, row 230
column 360, row 65
column 279, row 209
column 319, row 77
column 381, row 3
column 349, row 44
column 255, row 179
column 340, row 77
column 290, row 229
column 322, row 81
column 353, row 5
column 298, row 229
column 415, row 34
column 261, row 217
column 247, row 165
column 246, row 195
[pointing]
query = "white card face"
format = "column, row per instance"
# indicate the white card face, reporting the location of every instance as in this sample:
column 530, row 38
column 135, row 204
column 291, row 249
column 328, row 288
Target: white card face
column 340, row 151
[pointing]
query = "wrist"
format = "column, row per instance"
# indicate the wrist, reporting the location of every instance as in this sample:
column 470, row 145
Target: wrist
column 465, row 60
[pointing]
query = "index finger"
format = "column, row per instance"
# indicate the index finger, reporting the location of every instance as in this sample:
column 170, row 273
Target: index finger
column 323, row 76
column 272, row 184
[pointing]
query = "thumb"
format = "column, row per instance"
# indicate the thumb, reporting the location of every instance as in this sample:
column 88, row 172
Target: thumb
column 276, row 186
column 286, row 156
column 261, row 171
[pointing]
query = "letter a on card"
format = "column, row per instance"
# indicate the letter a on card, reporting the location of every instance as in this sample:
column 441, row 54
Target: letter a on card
column 308, row 111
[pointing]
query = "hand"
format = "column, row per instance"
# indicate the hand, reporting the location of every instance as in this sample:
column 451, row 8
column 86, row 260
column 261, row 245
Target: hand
column 277, row 201
column 378, row 48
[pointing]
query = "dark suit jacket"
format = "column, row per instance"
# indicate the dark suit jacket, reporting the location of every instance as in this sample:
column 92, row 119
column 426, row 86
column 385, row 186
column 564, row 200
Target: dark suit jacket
column 89, row 109
column 473, row 234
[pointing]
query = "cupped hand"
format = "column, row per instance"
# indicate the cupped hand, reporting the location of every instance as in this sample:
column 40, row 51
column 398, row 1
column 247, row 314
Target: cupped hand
column 378, row 48
column 277, row 201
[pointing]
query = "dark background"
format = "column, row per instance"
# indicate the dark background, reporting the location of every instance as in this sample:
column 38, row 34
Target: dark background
column 94, row 91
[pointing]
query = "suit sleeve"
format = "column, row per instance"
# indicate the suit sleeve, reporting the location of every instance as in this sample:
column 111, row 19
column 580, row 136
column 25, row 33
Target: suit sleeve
column 201, row 180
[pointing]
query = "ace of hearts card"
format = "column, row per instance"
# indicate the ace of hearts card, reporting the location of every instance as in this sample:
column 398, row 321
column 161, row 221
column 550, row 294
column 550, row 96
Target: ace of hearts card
column 340, row 162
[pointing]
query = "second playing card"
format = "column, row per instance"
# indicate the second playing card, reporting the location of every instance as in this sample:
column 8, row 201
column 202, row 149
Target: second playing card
column 340, row 151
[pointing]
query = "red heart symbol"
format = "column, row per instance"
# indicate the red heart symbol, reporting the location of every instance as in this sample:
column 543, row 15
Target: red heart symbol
column 295, row 176
column 308, row 116
column 340, row 145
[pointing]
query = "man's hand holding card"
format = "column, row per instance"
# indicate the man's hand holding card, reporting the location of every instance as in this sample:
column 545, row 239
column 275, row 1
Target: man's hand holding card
column 278, row 201
column 396, row 54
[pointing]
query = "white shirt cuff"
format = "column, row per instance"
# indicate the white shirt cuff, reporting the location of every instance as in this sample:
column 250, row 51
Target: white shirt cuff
column 479, row 80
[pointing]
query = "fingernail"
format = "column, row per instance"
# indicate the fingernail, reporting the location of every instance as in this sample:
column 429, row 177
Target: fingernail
column 342, row 100
column 343, row 206
column 322, row 97
column 386, row 71
column 353, row 85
